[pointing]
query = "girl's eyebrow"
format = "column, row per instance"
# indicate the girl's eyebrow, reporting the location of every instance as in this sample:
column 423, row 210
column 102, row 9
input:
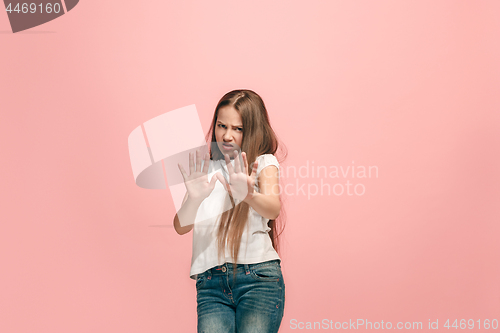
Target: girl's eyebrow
column 233, row 126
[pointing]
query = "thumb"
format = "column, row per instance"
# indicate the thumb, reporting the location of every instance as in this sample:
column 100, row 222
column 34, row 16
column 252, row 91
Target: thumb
column 212, row 182
column 221, row 178
column 254, row 169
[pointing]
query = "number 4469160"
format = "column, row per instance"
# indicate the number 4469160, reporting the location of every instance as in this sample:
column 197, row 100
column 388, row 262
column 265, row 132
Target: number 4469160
column 487, row 324
column 32, row 8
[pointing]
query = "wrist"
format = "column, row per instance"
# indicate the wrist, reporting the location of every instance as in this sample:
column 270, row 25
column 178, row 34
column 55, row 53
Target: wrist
column 250, row 197
column 194, row 201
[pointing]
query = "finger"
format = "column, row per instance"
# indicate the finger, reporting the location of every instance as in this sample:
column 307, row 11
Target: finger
column 237, row 166
column 240, row 159
column 182, row 171
column 207, row 161
column 191, row 163
column 198, row 160
column 245, row 162
column 230, row 168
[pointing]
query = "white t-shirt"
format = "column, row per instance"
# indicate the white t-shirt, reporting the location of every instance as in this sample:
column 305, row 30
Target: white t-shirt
column 255, row 246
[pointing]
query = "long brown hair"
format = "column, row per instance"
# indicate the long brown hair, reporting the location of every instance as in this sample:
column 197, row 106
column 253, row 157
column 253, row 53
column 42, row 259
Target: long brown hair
column 258, row 138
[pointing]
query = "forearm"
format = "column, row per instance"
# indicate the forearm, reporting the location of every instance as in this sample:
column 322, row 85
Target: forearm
column 268, row 206
column 186, row 216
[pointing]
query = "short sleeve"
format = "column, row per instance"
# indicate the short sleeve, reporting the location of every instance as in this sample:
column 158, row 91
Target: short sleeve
column 265, row 161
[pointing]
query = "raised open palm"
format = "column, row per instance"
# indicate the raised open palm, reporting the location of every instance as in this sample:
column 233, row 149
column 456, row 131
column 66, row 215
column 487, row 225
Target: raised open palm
column 241, row 185
column 197, row 184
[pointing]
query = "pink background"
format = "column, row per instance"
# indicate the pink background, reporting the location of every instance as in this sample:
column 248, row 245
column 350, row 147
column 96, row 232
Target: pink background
column 408, row 86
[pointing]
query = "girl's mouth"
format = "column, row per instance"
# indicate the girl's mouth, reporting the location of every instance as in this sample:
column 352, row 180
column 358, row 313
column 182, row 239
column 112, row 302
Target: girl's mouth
column 227, row 146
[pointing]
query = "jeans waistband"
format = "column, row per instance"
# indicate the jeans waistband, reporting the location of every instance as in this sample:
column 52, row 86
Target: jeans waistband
column 227, row 268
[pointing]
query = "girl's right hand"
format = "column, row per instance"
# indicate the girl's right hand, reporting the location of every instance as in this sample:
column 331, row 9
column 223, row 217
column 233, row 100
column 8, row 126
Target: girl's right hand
column 197, row 184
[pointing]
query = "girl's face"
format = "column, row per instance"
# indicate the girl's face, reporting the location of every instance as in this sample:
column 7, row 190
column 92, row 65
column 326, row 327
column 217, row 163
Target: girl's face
column 228, row 130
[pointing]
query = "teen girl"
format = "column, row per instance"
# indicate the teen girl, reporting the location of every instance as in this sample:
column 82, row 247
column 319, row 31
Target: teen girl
column 235, row 263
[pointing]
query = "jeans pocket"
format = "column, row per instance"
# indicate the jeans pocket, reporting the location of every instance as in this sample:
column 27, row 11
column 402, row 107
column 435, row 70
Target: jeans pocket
column 200, row 281
column 268, row 273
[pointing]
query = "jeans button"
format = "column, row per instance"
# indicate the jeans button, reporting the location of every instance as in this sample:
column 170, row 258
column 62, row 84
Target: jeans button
column 224, row 269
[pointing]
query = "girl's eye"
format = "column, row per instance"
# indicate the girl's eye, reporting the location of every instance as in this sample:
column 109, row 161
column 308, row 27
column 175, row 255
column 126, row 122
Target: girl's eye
column 240, row 129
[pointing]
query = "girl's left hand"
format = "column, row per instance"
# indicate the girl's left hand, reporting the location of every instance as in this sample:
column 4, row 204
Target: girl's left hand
column 241, row 185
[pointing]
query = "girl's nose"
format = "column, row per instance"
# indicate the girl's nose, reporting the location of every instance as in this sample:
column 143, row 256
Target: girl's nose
column 227, row 135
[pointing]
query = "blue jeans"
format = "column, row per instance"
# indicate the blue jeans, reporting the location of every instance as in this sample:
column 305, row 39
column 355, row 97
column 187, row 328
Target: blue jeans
column 252, row 303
